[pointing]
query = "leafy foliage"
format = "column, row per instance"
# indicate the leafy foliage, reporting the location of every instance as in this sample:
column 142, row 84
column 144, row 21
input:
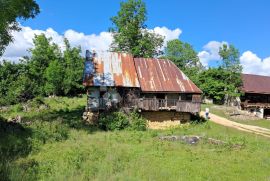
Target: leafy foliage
column 212, row 84
column 11, row 11
column 232, row 67
column 47, row 72
column 181, row 53
column 222, row 83
column 184, row 57
column 113, row 121
column 130, row 32
column 137, row 122
column 119, row 120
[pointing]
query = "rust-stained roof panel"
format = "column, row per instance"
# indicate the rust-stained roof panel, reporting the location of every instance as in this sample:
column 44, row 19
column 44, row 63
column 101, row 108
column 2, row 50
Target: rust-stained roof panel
column 156, row 75
column 111, row 69
column 256, row 84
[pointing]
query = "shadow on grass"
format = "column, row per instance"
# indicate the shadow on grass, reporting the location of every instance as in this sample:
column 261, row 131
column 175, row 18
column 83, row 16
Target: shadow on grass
column 197, row 119
column 14, row 143
column 18, row 140
column 71, row 118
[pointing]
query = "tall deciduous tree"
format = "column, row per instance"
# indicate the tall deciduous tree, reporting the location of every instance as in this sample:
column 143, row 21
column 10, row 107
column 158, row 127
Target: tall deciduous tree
column 72, row 83
column 54, row 78
column 130, row 32
column 231, row 65
column 43, row 53
column 182, row 54
column 10, row 12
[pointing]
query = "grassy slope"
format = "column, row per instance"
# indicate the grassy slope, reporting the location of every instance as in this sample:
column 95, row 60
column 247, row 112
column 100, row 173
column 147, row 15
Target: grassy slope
column 89, row 154
column 260, row 122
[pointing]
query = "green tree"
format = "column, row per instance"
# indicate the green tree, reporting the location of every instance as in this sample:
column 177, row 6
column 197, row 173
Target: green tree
column 130, row 32
column 15, row 85
column 54, row 78
column 184, row 57
column 211, row 83
column 72, row 83
column 182, row 54
column 232, row 68
column 43, row 53
column 10, row 12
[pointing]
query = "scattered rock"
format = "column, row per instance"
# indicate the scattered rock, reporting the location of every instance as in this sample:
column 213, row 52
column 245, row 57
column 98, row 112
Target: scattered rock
column 4, row 108
column 193, row 139
column 215, row 141
column 17, row 119
column 90, row 117
column 187, row 139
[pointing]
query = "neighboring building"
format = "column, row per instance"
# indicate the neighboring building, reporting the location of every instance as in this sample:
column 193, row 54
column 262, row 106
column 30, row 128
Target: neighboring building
column 256, row 98
column 117, row 80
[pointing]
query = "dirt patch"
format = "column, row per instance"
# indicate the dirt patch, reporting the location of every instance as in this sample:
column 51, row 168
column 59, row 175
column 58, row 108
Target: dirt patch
column 236, row 114
column 243, row 127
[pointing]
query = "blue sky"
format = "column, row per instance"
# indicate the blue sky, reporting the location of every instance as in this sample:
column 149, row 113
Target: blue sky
column 246, row 24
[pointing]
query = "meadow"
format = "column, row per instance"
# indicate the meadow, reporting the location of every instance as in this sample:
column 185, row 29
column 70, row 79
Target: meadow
column 53, row 143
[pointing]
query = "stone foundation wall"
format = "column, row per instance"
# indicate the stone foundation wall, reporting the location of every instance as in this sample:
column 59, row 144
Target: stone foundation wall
column 165, row 119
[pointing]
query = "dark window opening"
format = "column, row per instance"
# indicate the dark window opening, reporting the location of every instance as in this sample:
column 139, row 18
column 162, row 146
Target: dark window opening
column 160, row 96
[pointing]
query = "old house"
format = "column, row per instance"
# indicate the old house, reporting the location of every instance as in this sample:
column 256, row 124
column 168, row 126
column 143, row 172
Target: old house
column 256, row 97
column 118, row 80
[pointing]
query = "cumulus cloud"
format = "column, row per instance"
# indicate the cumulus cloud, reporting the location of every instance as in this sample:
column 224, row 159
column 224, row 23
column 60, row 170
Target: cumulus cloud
column 210, row 52
column 252, row 64
column 23, row 40
column 167, row 33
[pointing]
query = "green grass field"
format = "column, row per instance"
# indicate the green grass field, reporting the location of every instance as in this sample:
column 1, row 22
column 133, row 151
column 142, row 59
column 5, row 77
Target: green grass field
column 56, row 145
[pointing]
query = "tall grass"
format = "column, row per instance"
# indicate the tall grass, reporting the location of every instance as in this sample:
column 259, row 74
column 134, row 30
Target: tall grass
column 62, row 147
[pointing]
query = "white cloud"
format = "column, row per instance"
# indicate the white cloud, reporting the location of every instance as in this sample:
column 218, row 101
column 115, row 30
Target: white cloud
column 167, row 33
column 252, row 64
column 210, row 52
column 23, row 40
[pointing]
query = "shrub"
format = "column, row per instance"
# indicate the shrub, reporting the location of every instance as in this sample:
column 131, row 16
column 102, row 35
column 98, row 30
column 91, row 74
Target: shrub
column 137, row 122
column 120, row 120
column 113, row 121
column 17, row 108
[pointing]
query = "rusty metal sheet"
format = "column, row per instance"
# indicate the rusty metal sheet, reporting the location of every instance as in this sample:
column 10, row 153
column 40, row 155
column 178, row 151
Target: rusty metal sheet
column 157, row 75
column 111, row 69
column 256, row 84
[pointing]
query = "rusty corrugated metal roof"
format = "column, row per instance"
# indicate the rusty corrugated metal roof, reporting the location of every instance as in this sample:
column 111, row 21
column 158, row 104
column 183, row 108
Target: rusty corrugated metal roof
column 256, row 84
column 111, row 69
column 156, row 75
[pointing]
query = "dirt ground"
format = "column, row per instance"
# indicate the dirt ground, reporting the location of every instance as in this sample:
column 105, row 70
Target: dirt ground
column 243, row 127
column 236, row 115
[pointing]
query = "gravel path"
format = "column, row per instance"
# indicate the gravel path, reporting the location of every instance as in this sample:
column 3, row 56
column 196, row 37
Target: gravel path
column 243, row 127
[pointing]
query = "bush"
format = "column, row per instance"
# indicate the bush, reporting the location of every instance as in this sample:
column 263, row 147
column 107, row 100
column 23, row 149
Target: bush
column 113, row 121
column 120, row 120
column 17, row 108
column 137, row 122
